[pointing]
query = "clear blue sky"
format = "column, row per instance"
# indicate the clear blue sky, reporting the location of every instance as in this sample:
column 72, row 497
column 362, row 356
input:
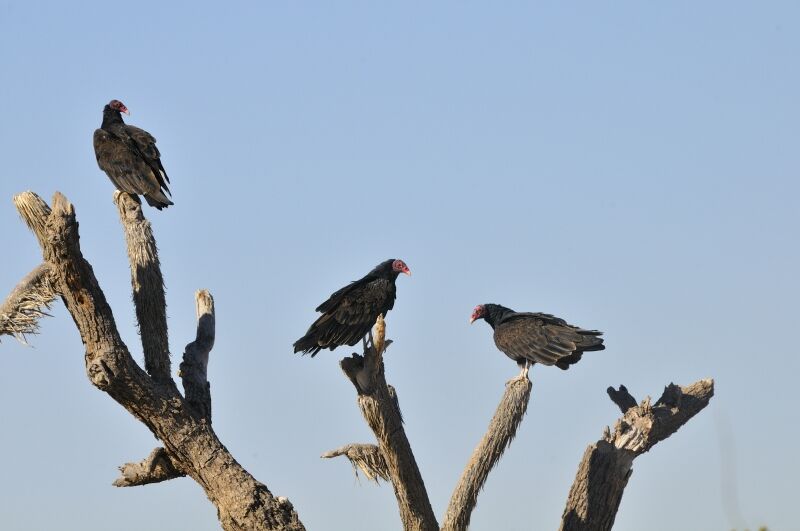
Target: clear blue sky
column 629, row 166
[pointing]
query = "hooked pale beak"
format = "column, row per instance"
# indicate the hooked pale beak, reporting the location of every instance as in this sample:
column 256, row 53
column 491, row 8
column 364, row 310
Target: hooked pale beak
column 125, row 110
column 472, row 319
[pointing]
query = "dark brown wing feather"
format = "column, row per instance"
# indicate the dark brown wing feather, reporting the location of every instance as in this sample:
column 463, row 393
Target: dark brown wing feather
column 348, row 315
column 146, row 144
column 543, row 338
column 133, row 163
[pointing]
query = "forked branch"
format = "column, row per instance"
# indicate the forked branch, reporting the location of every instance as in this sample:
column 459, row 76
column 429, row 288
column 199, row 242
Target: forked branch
column 606, row 465
column 190, row 445
column 378, row 403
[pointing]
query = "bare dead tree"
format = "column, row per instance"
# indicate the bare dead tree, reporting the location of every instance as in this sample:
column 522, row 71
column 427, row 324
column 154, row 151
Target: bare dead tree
column 182, row 424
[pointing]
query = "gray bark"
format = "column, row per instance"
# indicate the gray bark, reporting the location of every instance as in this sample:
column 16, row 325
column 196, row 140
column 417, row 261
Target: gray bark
column 190, row 446
column 147, row 285
column 193, row 371
column 501, row 431
column 606, row 466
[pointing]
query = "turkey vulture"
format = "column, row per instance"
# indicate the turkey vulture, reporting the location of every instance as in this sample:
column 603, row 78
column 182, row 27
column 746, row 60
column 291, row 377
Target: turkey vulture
column 529, row 338
column 348, row 315
column 130, row 158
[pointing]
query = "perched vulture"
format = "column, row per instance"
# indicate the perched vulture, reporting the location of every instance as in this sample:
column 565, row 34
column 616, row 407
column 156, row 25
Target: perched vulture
column 529, row 338
column 348, row 315
column 130, row 158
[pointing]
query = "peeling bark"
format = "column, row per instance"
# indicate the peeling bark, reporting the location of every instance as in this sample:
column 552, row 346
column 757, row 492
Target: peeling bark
column 366, row 457
column 22, row 309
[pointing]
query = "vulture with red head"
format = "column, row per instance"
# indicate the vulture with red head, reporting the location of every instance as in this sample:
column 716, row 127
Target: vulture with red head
column 529, row 338
column 349, row 314
column 130, row 158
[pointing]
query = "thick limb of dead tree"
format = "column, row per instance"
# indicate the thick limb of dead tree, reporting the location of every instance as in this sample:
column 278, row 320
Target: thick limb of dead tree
column 182, row 424
column 607, row 464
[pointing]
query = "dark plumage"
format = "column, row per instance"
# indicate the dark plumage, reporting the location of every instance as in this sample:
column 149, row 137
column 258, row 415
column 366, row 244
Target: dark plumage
column 529, row 338
column 130, row 158
column 349, row 314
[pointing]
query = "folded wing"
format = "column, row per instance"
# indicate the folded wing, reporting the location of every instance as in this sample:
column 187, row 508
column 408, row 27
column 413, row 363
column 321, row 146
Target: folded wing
column 543, row 338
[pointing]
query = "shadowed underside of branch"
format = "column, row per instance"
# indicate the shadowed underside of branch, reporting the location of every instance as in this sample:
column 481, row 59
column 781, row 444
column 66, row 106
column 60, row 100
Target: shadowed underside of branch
column 194, row 368
column 606, row 466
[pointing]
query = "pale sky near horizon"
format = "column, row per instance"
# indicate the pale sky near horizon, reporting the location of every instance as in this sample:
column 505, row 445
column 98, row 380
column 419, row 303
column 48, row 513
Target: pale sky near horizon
column 628, row 166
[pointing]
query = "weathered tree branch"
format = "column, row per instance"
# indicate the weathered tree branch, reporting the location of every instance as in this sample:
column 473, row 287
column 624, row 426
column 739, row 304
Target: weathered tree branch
column 34, row 212
column 498, row 436
column 366, row 457
column 191, row 445
column 382, row 414
column 604, row 471
column 22, row 309
column 622, row 398
column 194, row 368
column 147, row 284
column 154, row 468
